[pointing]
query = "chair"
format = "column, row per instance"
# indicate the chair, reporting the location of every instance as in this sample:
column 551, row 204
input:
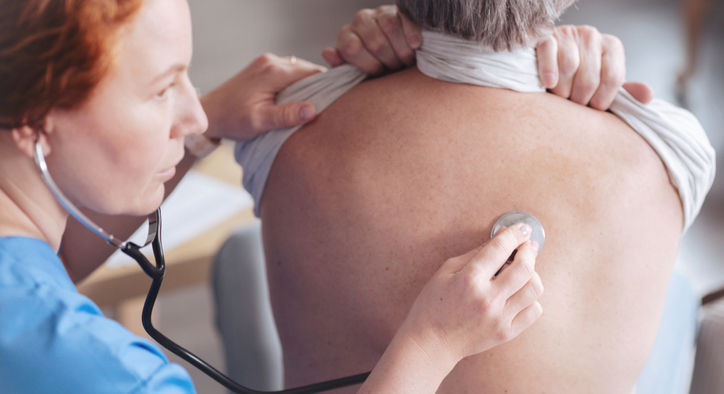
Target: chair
column 254, row 354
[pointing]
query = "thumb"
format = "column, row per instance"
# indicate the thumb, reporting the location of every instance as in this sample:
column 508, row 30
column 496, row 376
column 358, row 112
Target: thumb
column 456, row 264
column 281, row 116
column 641, row 91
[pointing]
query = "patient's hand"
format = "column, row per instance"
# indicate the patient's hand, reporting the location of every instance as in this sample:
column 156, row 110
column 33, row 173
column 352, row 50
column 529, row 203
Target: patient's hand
column 243, row 107
column 576, row 62
column 464, row 309
column 375, row 41
column 585, row 66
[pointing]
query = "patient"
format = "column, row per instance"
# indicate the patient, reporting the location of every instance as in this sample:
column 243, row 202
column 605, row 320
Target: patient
column 405, row 171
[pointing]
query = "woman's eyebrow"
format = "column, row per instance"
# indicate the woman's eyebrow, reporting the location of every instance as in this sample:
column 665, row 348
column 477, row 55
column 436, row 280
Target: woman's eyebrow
column 176, row 68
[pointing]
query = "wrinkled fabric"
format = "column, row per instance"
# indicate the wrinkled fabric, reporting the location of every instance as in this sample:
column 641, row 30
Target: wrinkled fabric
column 674, row 133
column 55, row 340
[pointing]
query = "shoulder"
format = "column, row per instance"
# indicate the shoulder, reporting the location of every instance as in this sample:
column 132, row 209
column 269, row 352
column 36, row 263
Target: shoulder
column 53, row 339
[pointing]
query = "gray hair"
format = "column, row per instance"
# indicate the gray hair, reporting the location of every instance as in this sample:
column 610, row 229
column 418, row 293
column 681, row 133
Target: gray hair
column 498, row 24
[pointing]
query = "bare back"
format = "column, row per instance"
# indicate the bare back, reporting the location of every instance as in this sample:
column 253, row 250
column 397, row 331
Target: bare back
column 403, row 172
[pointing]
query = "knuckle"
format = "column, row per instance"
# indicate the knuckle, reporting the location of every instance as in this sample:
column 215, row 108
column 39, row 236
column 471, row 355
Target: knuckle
column 388, row 23
column 468, row 281
column 288, row 116
column 537, row 285
column 612, row 42
column 376, row 69
column 484, row 306
column 568, row 65
column 376, row 45
column 497, row 247
column 588, row 83
column 598, row 104
column 503, row 332
column 565, row 29
column 362, row 17
column 265, row 57
column 350, row 47
column 612, row 77
column 345, row 31
column 537, row 310
column 588, row 32
column 387, row 9
column 267, row 64
column 546, row 42
column 526, row 268
column 566, row 33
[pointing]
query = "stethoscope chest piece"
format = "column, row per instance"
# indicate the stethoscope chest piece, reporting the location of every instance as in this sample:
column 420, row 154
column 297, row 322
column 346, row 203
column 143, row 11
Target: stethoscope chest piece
column 514, row 217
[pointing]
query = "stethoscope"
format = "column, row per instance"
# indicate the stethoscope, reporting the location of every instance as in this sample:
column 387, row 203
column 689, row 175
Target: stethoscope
column 157, row 272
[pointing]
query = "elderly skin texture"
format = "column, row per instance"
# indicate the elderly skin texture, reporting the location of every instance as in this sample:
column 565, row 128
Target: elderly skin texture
column 403, row 172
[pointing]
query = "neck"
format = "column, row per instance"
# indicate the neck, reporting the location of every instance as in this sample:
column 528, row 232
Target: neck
column 27, row 208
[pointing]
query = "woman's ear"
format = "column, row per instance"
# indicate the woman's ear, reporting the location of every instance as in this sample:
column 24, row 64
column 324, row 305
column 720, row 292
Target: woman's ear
column 25, row 137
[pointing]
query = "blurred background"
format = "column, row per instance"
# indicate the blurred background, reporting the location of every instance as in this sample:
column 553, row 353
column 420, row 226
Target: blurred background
column 659, row 44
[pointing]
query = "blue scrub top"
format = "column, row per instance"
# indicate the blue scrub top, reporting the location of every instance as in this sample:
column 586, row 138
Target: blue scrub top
column 55, row 340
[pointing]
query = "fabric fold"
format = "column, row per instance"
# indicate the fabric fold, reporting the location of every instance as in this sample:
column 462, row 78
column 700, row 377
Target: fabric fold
column 674, row 133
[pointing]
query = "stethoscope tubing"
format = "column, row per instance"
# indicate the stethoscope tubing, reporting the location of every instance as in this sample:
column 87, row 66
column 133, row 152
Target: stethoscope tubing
column 156, row 273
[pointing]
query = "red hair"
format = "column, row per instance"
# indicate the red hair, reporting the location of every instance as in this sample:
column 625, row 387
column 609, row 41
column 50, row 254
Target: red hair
column 54, row 52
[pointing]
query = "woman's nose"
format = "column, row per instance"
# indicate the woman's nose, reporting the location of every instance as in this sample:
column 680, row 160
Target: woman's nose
column 191, row 118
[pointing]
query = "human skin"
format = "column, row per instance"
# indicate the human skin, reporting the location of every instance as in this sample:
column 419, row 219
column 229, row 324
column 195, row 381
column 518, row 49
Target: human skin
column 114, row 153
column 362, row 204
column 578, row 62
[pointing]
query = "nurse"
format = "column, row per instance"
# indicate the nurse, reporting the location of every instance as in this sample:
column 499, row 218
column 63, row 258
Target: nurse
column 103, row 87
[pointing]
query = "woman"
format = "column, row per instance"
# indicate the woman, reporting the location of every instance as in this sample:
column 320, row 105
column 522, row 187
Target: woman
column 102, row 89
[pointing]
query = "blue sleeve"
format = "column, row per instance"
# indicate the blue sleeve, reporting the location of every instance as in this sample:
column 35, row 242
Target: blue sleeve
column 54, row 340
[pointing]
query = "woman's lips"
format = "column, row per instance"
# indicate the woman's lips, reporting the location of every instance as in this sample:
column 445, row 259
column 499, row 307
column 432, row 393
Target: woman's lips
column 168, row 173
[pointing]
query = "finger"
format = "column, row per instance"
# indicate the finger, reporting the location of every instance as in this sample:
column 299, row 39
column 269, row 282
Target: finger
column 526, row 296
column 499, row 230
column 391, row 25
column 526, row 318
column 588, row 76
column 641, row 91
column 494, row 254
column 547, row 54
column 365, row 25
column 568, row 60
column 411, row 31
column 332, row 57
column 353, row 51
column 613, row 73
column 521, row 270
column 291, row 72
column 281, row 116
column 456, row 264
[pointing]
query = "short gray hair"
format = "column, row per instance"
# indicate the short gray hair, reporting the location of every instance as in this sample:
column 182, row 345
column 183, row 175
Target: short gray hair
column 499, row 24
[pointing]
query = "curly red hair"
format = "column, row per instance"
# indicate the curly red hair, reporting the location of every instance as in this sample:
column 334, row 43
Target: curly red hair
column 54, row 52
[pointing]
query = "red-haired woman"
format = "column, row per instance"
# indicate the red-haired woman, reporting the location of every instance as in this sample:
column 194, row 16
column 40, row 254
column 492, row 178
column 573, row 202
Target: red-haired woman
column 100, row 89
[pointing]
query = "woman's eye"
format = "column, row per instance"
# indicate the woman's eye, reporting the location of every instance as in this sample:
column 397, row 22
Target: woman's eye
column 164, row 93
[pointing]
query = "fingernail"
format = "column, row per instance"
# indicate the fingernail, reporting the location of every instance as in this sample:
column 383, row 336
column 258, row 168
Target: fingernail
column 306, row 113
column 414, row 40
column 549, row 80
column 525, row 229
column 535, row 246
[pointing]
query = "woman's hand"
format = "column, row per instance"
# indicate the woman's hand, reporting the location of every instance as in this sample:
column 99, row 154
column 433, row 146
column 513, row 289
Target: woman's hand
column 465, row 309
column 576, row 62
column 243, row 107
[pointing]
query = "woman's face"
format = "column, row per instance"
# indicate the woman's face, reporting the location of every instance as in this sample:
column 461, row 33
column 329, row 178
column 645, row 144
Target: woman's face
column 113, row 153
